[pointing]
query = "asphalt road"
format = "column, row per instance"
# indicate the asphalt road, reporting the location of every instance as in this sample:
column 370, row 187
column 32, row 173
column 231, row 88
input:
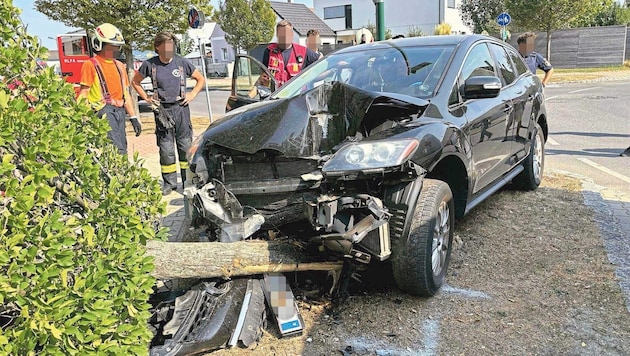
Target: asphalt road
column 218, row 99
column 589, row 126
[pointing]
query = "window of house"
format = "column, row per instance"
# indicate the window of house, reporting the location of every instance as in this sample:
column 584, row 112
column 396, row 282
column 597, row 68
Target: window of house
column 339, row 12
column 334, row 12
column 225, row 53
column 451, row 4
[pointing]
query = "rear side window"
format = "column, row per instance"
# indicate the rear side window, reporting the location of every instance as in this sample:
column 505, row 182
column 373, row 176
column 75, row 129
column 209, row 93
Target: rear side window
column 521, row 67
column 479, row 62
column 504, row 63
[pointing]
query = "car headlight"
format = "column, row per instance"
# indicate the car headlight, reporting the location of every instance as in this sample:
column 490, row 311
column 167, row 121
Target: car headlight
column 370, row 156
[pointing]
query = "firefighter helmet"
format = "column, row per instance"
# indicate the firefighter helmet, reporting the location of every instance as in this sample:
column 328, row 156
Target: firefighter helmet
column 106, row 33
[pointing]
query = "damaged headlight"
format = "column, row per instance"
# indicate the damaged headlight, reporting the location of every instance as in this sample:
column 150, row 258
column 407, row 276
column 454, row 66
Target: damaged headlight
column 371, row 156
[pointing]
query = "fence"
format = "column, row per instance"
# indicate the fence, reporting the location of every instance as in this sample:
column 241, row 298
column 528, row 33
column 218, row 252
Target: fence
column 585, row 47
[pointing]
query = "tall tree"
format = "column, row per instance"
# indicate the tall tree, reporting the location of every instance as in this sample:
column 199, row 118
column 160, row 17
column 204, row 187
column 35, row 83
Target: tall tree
column 481, row 14
column 138, row 20
column 246, row 22
column 548, row 15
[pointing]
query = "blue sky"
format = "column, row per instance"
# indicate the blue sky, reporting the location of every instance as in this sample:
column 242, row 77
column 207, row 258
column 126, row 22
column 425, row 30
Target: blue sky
column 40, row 26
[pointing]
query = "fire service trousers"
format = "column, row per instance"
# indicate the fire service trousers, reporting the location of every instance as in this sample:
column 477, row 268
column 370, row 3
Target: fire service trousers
column 180, row 135
column 116, row 117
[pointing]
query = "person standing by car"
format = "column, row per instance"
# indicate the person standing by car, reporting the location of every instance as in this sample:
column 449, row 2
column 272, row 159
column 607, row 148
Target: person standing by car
column 286, row 59
column 170, row 100
column 105, row 85
column 312, row 41
column 533, row 59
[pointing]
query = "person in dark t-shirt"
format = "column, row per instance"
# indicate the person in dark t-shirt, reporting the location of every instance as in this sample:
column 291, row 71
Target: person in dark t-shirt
column 168, row 73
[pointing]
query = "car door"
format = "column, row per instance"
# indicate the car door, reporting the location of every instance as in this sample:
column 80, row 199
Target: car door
column 524, row 105
column 247, row 71
column 518, row 92
column 486, row 121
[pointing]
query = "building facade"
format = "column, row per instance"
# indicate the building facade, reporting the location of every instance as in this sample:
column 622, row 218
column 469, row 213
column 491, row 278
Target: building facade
column 345, row 17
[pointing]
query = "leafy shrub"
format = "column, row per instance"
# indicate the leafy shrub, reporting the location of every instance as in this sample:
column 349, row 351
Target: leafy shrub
column 74, row 217
column 442, row 29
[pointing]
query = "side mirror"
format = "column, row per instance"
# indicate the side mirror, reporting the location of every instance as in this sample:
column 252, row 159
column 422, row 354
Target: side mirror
column 482, row 87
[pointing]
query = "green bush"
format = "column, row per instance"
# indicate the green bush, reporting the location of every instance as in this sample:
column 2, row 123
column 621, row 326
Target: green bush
column 74, row 217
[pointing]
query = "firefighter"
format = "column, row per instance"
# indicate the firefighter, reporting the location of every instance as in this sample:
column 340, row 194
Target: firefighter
column 105, row 85
column 286, row 59
column 533, row 59
column 170, row 100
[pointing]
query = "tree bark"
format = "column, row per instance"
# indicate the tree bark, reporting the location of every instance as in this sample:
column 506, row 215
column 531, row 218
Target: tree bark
column 217, row 259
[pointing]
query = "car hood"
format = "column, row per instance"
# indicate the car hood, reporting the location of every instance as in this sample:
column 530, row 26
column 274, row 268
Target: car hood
column 310, row 124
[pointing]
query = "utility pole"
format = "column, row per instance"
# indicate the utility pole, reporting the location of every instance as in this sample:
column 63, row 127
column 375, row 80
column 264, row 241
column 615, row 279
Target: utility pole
column 380, row 19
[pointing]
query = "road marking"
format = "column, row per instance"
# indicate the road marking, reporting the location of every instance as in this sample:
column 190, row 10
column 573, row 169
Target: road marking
column 431, row 332
column 551, row 97
column 604, row 169
column 577, row 91
column 552, row 141
column 465, row 292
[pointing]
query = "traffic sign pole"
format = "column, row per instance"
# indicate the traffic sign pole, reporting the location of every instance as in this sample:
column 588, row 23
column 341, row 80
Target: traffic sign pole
column 196, row 19
column 503, row 20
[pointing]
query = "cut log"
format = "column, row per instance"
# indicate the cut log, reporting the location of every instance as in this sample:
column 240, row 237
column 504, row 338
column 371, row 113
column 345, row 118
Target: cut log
column 217, row 259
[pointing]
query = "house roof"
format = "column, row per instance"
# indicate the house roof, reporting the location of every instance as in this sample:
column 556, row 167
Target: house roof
column 301, row 17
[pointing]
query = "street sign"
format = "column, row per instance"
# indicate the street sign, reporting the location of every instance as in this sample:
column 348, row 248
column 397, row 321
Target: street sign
column 504, row 19
column 196, row 19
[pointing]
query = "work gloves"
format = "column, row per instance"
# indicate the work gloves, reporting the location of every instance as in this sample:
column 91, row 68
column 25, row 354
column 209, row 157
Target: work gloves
column 137, row 128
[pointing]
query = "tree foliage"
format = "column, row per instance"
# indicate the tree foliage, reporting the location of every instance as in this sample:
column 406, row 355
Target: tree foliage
column 548, row 15
column 481, row 14
column 246, row 23
column 372, row 28
column 138, row 20
column 606, row 13
column 74, row 217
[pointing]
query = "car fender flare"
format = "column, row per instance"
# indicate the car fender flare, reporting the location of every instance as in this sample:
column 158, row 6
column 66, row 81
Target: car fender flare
column 400, row 200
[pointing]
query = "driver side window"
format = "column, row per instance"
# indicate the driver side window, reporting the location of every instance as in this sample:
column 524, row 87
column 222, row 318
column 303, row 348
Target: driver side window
column 479, row 62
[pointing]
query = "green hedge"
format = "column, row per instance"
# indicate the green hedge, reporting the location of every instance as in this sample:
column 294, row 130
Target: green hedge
column 74, row 217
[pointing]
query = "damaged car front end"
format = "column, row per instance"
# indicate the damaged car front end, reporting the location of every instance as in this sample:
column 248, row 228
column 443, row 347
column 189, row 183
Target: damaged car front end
column 366, row 157
column 325, row 158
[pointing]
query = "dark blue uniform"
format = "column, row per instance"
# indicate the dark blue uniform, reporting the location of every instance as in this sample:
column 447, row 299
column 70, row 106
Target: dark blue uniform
column 535, row 60
column 170, row 86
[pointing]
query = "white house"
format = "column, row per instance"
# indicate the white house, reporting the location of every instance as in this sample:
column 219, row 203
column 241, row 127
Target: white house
column 345, row 17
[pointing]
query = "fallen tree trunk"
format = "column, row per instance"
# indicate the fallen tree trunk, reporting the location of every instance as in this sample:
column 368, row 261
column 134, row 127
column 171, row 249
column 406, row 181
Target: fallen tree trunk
column 217, row 259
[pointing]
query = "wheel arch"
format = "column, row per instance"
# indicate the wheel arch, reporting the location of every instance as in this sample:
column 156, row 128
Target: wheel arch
column 452, row 170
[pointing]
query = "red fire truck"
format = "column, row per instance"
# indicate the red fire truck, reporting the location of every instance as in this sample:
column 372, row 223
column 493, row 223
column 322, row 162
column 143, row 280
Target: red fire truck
column 74, row 49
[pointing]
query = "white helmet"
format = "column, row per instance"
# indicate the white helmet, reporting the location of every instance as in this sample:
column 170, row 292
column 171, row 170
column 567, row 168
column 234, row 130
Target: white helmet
column 106, row 33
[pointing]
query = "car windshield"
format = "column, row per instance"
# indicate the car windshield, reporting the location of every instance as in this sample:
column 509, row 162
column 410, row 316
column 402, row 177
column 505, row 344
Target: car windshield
column 414, row 71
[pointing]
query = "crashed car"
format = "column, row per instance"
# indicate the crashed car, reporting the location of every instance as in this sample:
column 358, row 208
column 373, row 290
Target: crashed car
column 372, row 152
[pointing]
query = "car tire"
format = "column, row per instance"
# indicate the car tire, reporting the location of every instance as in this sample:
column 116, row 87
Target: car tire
column 534, row 163
column 422, row 255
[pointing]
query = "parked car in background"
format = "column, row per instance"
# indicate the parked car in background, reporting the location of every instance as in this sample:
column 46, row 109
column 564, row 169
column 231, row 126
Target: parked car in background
column 371, row 153
column 147, row 85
